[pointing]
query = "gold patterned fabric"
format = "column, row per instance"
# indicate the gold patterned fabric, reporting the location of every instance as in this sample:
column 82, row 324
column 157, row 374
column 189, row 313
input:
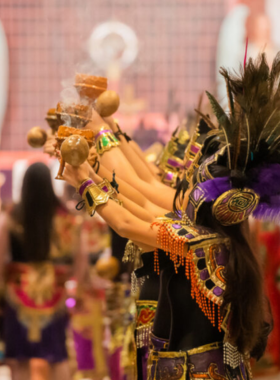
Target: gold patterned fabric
column 170, row 161
column 167, row 365
column 145, row 314
column 36, row 291
column 105, row 140
column 204, row 255
column 235, row 206
column 201, row 363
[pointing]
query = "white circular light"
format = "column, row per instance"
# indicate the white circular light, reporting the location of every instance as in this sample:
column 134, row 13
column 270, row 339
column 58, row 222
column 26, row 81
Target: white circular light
column 113, row 41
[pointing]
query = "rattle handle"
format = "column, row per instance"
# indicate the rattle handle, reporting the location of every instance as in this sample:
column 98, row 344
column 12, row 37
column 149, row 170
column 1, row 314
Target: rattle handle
column 61, row 169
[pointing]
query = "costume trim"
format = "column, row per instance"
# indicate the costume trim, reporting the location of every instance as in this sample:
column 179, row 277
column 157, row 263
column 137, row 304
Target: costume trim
column 204, row 263
column 200, row 363
column 203, row 173
column 207, row 347
column 97, row 195
column 159, row 344
column 167, row 365
column 145, row 314
column 105, row 140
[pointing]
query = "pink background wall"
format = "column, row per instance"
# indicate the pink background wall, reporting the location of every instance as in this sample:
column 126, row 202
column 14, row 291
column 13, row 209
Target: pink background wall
column 47, row 40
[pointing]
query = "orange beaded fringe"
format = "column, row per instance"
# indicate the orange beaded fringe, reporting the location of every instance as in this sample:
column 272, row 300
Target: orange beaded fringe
column 174, row 247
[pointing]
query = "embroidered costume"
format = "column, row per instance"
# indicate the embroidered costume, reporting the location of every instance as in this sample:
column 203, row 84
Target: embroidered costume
column 245, row 146
column 252, row 123
column 35, row 317
column 171, row 160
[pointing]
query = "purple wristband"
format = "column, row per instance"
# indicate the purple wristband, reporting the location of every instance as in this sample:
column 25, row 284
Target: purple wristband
column 102, row 133
column 84, row 185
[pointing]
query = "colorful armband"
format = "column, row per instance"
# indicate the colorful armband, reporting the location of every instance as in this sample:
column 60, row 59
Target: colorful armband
column 105, row 140
column 97, row 195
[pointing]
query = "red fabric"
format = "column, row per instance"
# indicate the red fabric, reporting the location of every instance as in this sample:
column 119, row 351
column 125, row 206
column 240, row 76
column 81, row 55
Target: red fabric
column 271, row 240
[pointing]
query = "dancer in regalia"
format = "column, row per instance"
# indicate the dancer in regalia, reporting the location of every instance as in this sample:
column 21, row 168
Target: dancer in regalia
column 215, row 290
column 39, row 240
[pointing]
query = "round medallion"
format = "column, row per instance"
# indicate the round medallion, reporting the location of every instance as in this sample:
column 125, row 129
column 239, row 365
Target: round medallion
column 234, row 206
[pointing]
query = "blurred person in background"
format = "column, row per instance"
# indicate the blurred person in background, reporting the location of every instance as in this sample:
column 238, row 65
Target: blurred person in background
column 36, row 239
column 2, row 181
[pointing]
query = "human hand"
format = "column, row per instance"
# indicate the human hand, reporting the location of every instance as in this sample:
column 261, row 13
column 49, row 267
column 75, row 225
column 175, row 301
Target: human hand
column 93, row 156
column 75, row 175
column 50, row 145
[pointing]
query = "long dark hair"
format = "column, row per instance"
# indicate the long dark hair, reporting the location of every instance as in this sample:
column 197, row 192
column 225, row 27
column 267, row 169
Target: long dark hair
column 250, row 321
column 35, row 212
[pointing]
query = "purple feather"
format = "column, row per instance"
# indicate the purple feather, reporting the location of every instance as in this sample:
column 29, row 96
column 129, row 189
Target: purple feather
column 213, row 188
column 269, row 209
column 265, row 181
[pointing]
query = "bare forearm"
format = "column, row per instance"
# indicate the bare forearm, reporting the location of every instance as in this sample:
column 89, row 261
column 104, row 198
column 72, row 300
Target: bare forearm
column 162, row 199
column 136, row 210
column 133, row 153
column 121, row 220
column 133, row 207
column 126, row 189
column 127, row 225
column 134, row 195
column 114, row 159
column 138, row 164
column 141, row 155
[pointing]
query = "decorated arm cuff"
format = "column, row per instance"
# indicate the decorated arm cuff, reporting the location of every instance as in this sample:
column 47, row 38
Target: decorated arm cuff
column 97, row 195
column 84, row 184
column 105, row 140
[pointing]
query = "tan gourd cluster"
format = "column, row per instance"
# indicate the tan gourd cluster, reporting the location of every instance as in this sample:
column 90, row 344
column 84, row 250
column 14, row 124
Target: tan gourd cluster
column 68, row 121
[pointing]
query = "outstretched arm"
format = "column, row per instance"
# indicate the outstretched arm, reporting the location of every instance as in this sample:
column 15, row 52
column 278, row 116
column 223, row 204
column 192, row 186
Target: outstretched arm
column 130, row 193
column 152, row 167
column 137, row 161
column 120, row 219
column 114, row 159
column 131, row 206
column 136, row 158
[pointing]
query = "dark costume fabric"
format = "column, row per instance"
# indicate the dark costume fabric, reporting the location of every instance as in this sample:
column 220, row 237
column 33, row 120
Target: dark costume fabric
column 204, row 362
column 204, row 266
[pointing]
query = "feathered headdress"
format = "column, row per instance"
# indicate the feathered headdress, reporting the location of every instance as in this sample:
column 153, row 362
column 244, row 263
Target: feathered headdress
column 251, row 132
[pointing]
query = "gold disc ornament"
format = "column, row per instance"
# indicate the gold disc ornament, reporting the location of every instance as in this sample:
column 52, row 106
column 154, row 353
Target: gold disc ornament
column 235, row 206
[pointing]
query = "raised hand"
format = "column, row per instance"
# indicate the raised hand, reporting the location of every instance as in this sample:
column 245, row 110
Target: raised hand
column 75, row 175
column 50, row 145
